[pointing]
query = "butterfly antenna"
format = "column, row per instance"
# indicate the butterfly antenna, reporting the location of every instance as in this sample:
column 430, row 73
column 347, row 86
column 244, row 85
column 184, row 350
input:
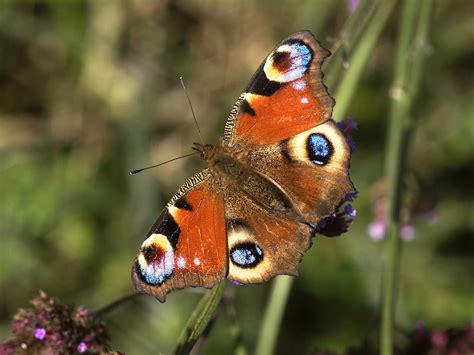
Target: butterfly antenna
column 163, row 163
column 191, row 106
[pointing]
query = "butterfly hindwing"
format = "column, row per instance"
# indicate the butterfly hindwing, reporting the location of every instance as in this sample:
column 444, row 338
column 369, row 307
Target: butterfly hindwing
column 261, row 244
column 286, row 96
column 312, row 167
column 187, row 245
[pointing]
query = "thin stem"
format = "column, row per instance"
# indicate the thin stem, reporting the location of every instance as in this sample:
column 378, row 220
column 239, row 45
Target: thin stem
column 111, row 306
column 200, row 319
column 273, row 315
column 406, row 81
column 359, row 59
column 347, row 39
column 238, row 347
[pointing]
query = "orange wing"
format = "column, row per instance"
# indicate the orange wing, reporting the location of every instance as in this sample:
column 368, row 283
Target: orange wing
column 187, row 245
column 261, row 245
column 312, row 167
column 286, row 96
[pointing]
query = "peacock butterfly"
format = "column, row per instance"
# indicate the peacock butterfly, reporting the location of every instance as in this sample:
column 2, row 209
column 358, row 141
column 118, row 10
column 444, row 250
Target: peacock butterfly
column 278, row 173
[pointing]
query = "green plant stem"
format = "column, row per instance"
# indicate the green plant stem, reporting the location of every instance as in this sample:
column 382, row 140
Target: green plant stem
column 273, row 315
column 200, row 319
column 347, row 39
column 406, row 81
column 359, row 59
column 111, row 306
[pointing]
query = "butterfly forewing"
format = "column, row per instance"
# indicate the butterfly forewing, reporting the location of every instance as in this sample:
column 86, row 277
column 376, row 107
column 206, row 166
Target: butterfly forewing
column 187, row 245
column 286, row 95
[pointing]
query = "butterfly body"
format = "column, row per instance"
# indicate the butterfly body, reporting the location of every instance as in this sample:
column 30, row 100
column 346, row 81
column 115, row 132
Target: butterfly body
column 230, row 167
column 280, row 168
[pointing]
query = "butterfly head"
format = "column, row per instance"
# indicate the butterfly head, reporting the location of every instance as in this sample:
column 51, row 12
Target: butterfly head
column 206, row 151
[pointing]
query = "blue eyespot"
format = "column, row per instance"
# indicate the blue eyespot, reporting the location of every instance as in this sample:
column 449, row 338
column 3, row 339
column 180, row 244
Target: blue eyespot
column 246, row 255
column 319, row 149
column 156, row 265
column 300, row 58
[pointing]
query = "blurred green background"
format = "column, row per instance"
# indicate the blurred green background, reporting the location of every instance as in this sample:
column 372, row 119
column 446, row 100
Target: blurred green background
column 90, row 90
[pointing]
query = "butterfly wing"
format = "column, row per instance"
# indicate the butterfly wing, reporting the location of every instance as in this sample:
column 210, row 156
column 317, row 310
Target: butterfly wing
column 261, row 244
column 187, row 245
column 286, row 95
column 282, row 123
column 312, row 167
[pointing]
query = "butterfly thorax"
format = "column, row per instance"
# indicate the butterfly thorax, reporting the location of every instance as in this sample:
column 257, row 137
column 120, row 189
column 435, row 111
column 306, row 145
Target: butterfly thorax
column 229, row 166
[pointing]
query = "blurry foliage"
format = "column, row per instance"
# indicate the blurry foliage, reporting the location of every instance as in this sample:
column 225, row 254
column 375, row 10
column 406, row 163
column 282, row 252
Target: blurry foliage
column 90, row 90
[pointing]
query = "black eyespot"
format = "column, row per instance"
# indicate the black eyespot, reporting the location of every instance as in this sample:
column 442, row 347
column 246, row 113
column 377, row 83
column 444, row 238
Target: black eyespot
column 153, row 254
column 261, row 85
column 246, row 255
column 319, row 148
column 282, row 61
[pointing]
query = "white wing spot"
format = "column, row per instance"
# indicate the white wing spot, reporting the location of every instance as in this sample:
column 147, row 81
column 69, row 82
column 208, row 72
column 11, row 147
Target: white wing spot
column 299, row 85
column 304, row 100
column 181, row 262
column 197, row 261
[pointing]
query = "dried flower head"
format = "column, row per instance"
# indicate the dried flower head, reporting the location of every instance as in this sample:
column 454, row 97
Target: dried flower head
column 50, row 327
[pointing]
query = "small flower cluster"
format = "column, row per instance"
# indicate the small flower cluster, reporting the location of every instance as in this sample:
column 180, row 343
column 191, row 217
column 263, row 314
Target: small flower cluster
column 339, row 221
column 51, row 327
column 424, row 341
column 347, row 127
column 352, row 5
column 378, row 227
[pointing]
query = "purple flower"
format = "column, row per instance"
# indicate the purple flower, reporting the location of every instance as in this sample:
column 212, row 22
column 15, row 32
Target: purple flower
column 350, row 211
column 59, row 327
column 338, row 222
column 9, row 347
column 347, row 127
column 341, row 125
column 439, row 339
column 413, row 208
column 431, row 216
column 377, row 229
column 333, row 226
column 407, row 232
column 40, row 333
column 82, row 311
column 352, row 5
column 351, row 142
column 351, row 124
column 82, row 347
column 349, row 197
column 419, row 333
